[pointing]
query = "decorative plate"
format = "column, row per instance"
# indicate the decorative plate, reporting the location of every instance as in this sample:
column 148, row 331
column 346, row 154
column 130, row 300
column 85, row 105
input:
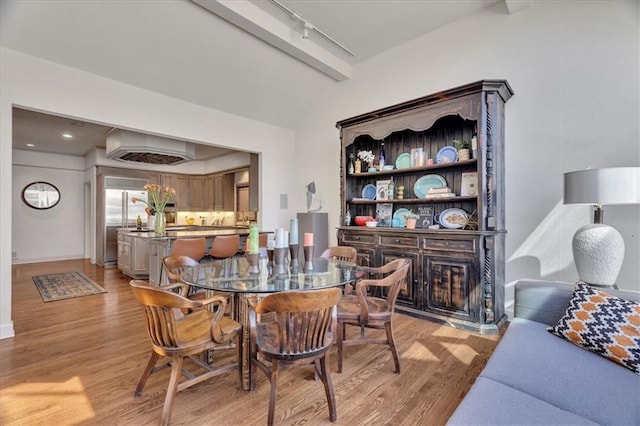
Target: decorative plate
column 369, row 192
column 422, row 185
column 398, row 217
column 453, row 218
column 447, row 154
column 403, row 161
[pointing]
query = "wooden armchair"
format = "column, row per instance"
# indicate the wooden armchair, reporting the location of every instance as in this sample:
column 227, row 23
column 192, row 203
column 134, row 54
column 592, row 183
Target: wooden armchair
column 182, row 336
column 365, row 311
column 344, row 253
column 302, row 332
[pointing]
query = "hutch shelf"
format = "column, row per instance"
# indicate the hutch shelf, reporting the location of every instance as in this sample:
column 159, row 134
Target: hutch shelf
column 457, row 274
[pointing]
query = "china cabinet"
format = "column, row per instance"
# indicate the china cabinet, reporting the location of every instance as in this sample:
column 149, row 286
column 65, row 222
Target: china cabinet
column 457, row 249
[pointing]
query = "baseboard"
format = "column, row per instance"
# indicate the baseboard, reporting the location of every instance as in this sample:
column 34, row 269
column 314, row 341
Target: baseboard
column 20, row 261
column 7, row 331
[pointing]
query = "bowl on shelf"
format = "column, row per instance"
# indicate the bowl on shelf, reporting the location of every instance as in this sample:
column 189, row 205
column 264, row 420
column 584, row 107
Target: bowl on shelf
column 372, row 224
column 388, row 167
column 191, row 221
column 362, row 220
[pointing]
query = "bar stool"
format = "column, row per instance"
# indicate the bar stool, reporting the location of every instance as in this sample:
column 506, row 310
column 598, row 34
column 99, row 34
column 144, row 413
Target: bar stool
column 224, row 246
column 194, row 248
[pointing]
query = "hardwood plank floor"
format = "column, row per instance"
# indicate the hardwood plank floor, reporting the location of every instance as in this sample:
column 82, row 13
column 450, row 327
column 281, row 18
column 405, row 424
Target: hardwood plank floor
column 77, row 362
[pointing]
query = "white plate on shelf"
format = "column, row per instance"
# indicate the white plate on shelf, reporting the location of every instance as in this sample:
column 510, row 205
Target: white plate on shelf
column 369, row 192
column 403, row 161
column 453, row 218
column 447, row 154
column 426, row 182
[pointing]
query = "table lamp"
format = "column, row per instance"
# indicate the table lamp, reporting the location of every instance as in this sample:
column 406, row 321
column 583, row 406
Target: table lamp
column 598, row 249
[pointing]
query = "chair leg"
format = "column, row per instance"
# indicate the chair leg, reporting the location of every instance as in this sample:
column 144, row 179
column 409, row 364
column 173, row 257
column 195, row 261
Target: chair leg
column 328, row 388
column 392, row 345
column 340, row 331
column 147, row 372
column 272, row 394
column 239, row 358
column 176, row 369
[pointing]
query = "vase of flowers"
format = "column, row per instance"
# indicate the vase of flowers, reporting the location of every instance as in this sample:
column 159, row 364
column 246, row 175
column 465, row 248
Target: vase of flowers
column 367, row 157
column 159, row 196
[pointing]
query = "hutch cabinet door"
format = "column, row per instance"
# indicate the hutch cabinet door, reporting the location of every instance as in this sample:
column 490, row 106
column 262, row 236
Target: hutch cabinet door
column 410, row 294
column 449, row 285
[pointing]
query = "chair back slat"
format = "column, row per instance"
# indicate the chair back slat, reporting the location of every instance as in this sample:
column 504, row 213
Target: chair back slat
column 341, row 253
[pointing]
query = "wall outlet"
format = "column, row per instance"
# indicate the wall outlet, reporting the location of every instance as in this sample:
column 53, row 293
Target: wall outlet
column 14, row 254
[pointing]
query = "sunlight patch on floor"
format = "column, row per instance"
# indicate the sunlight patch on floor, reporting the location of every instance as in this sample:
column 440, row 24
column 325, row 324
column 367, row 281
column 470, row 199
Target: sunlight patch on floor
column 419, row 352
column 48, row 403
column 463, row 352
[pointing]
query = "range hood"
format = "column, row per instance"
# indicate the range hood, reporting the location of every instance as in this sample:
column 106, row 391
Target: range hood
column 137, row 147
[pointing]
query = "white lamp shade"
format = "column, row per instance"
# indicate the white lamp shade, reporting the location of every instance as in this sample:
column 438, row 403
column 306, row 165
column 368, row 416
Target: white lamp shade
column 613, row 185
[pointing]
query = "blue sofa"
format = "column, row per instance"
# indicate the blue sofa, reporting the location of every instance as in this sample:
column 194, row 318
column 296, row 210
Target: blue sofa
column 534, row 377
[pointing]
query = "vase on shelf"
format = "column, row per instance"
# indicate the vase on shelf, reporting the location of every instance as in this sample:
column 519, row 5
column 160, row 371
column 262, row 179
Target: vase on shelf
column 358, row 166
column 161, row 224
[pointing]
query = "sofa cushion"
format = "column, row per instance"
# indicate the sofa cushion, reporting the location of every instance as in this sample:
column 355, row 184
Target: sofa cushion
column 492, row 403
column 533, row 361
column 603, row 324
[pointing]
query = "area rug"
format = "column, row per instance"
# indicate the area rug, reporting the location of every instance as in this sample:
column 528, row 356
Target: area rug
column 65, row 285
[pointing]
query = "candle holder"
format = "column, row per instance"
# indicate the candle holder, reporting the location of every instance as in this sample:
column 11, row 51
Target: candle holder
column 308, row 256
column 294, row 249
column 253, row 259
column 279, row 253
column 270, row 261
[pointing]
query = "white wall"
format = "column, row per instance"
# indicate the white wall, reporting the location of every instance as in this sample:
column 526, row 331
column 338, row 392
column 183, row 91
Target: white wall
column 36, row 84
column 56, row 233
column 574, row 68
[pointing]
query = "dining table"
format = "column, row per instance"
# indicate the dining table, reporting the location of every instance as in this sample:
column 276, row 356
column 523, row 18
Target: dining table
column 245, row 285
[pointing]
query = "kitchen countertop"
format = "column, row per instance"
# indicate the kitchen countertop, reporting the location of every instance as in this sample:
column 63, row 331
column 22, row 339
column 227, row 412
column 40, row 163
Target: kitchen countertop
column 171, row 235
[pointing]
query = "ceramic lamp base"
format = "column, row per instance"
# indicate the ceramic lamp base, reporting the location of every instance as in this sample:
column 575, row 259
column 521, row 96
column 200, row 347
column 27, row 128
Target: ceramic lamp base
column 598, row 251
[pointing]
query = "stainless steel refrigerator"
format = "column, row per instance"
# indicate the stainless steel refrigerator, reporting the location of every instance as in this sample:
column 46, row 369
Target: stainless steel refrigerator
column 120, row 211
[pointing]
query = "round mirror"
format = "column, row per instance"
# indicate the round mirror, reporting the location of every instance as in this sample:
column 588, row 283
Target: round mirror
column 41, row 195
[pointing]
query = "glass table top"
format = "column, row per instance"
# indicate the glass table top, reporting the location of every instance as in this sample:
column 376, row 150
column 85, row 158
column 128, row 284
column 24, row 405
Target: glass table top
column 232, row 275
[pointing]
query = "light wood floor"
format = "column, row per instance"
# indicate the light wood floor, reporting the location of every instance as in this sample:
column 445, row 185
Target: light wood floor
column 77, row 362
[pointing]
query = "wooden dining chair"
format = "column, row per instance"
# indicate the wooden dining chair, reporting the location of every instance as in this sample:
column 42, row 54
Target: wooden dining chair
column 365, row 311
column 224, row 246
column 302, row 332
column 345, row 254
column 180, row 337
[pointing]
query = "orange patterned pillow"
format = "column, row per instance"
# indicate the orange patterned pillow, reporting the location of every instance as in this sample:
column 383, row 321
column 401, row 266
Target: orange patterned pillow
column 603, row 324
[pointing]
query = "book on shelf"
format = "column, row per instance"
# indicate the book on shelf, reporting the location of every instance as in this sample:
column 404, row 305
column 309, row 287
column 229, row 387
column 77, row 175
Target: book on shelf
column 425, row 217
column 443, row 195
column 442, row 190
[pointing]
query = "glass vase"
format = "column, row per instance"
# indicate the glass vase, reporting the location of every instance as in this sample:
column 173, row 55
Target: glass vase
column 161, row 224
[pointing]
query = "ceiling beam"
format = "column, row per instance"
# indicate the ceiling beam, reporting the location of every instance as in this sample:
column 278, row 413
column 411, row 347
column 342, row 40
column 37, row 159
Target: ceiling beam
column 259, row 23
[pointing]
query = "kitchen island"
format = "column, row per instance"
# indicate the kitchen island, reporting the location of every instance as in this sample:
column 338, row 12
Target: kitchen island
column 140, row 252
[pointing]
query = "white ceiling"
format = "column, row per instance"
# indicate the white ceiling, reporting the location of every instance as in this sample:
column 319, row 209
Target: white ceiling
column 180, row 49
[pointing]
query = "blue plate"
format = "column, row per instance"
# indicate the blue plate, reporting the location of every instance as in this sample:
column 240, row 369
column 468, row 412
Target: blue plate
column 422, row 185
column 398, row 218
column 403, row 161
column 369, row 192
column 447, row 154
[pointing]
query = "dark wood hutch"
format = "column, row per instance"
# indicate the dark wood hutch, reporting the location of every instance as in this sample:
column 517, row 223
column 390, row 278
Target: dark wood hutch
column 457, row 275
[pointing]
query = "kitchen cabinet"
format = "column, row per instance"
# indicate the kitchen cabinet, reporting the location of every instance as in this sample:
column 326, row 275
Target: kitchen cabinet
column 196, row 189
column 223, row 192
column 457, row 274
column 133, row 256
column 183, row 192
column 168, row 179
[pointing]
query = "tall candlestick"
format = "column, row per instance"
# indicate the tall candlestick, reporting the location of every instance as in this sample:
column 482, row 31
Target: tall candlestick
column 253, row 239
column 280, row 241
column 286, row 239
column 293, row 236
column 308, row 239
column 271, row 244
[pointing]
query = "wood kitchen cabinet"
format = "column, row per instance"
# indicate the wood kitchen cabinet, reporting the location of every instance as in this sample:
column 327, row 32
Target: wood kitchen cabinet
column 196, row 189
column 223, row 192
column 183, row 192
column 133, row 255
column 457, row 271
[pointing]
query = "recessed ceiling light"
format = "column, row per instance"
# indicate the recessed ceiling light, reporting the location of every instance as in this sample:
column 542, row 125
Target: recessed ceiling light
column 67, row 135
column 30, row 145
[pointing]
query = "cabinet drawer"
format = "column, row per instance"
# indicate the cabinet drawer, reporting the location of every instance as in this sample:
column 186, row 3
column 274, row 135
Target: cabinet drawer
column 449, row 245
column 399, row 241
column 358, row 239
